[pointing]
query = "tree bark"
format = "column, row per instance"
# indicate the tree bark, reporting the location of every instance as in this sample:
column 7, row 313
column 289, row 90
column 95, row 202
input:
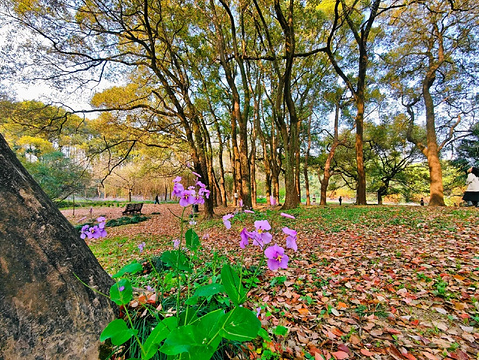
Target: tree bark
column 436, row 189
column 45, row 311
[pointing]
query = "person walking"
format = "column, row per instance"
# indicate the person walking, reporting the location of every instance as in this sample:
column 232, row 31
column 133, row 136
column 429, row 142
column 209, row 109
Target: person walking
column 472, row 182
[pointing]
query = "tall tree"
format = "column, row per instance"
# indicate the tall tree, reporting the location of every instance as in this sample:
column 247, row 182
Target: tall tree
column 358, row 18
column 433, row 57
column 151, row 39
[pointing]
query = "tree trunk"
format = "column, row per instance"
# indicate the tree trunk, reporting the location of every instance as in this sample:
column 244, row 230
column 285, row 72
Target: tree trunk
column 45, row 311
column 436, row 189
column 359, row 120
column 306, row 158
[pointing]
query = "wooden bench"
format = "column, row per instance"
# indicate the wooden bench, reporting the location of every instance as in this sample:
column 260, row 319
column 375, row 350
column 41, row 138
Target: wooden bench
column 133, row 209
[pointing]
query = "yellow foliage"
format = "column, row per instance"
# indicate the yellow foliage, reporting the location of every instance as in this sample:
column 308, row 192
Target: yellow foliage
column 25, row 6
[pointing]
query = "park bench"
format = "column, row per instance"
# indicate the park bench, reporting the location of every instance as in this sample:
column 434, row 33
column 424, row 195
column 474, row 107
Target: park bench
column 133, row 209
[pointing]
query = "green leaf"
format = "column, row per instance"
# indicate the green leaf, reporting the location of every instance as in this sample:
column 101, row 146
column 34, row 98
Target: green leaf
column 192, row 239
column 192, row 300
column 118, row 331
column 130, row 268
column 121, row 292
column 176, row 259
column 233, row 285
column 159, row 333
column 209, row 290
column 240, row 324
column 264, row 334
column 280, row 330
column 199, row 339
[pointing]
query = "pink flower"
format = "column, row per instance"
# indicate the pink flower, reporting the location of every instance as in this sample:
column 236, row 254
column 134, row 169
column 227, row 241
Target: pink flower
column 276, row 257
column 178, row 189
column 240, row 203
column 245, row 236
column 291, row 239
column 226, row 220
column 261, row 235
column 196, row 174
column 287, row 216
column 187, row 198
column 272, row 200
column 249, row 211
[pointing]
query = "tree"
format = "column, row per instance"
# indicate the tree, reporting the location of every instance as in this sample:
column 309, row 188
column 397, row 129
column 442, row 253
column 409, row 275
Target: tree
column 359, row 18
column 391, row 154
column 45, row 309
column 151, row 43
column 467, row 152
column 432, row 58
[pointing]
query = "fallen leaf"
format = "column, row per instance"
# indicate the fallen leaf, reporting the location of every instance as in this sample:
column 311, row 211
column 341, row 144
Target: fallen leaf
column 340, row 355
column 366, row 352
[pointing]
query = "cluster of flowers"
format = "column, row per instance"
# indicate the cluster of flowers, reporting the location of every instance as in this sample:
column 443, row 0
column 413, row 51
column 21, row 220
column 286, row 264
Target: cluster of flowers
column 190, row 196
column 94, row 232
column 276, row 257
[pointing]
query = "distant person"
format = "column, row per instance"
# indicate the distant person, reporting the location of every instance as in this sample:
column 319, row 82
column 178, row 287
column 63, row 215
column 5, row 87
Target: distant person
column 157, row 201
column 340, row 200
column 472, row 182
column 422, row 201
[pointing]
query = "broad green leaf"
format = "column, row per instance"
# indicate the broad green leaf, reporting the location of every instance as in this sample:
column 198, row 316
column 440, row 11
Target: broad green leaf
column 121, row 292
column 192, row 300
column 118, row 332
column 209, row 290
column 233, row 285
column 159, row 333
column 171, row 259
column 280, row 330
column 199, row 339
column 264, row 334
column 130, row 268
column 240, row 324
column 192, row 239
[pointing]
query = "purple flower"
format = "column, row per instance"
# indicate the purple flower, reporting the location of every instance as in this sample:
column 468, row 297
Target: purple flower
column 178, row 189
column 101, row 230
column 187, row 198
column 176, row 243
column 262, row 225
column 141, row 246
column 245, row 236
column 287, row 216
column 226, row 220
column 85, row 231
column 177, row 179
column 291, row 239
column 249, row 211
column 276, row 257
column 240, row 203
column 101, row 219
column 94, row 232
column 261, row 235
column 196, row 174
column 149, row 288
column 121, row 288
column 206, row 236
column 272, row 200
column 199, row 199
column 258, row 311
column 203, row 191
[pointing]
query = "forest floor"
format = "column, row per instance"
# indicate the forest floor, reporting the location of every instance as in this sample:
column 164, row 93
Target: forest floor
column 377, row 282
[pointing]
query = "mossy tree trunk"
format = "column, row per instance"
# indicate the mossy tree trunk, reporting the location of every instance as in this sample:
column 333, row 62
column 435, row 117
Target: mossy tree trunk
column 45, row 311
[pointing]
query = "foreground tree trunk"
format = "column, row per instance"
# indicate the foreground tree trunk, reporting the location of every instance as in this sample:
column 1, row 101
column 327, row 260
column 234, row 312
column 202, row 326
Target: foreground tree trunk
column 45, row 311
